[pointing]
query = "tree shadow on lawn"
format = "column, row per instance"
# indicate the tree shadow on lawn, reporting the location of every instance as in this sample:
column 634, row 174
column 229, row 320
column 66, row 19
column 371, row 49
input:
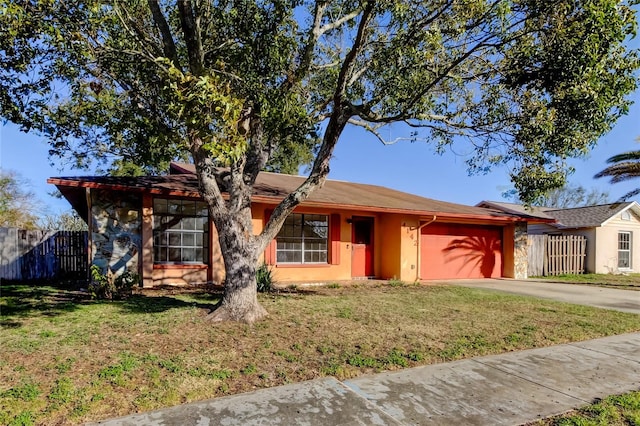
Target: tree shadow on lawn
column 19, row 301
column 142, row 303
column 22, row 301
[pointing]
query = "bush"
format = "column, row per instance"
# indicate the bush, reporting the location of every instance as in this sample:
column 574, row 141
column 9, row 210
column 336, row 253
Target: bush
column 110, row 287
column 264, row 278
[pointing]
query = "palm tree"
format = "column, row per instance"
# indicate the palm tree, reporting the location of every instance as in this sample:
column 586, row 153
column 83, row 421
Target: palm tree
column 623, row 167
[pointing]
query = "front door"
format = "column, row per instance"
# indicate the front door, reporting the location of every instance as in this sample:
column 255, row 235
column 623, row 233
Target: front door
column 361, row 247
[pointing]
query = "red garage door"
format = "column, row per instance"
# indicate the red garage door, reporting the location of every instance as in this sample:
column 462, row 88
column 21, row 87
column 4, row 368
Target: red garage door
column 450, row 250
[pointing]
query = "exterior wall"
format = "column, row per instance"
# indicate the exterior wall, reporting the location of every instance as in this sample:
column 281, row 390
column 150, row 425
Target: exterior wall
column 519, row 262
column 606, row 256
column 409, row 254
column 179, row 275
column 391, row 238
column 324, row 272
column 166, row 274
column 541, row 228
column 508, row 251
column 122, row 238
column 116, row 229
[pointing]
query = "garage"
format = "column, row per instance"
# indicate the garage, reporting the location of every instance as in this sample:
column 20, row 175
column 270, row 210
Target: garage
column 452, row 250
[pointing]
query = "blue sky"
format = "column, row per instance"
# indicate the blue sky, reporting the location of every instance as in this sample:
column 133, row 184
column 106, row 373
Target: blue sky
column 359, row 157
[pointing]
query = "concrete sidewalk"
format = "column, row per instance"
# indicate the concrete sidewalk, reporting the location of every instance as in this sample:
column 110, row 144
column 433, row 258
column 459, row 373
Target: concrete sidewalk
column 507, row 389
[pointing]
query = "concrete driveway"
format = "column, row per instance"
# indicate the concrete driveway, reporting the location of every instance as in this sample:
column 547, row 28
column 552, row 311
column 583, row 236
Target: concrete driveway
column 600, row 297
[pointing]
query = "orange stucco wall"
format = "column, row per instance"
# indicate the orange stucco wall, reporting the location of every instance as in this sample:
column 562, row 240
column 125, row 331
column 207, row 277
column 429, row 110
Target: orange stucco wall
column 396, row 251
column 390, row 239
column 318, row 273
column 409, row 256
column 508, row 251
column 173, row 275
column 400, row 243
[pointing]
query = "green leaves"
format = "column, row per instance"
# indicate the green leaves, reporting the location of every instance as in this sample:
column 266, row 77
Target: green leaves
column 209, row 110
column 524, row 83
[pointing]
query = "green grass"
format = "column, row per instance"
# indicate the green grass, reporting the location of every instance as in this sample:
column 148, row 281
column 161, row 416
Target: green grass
column 68, row 360
column 628, row 282
column 617, row 410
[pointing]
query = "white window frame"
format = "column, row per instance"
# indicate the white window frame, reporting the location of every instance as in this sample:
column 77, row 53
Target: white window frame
column 628, row 251
column 165, row 209
column 288, row 231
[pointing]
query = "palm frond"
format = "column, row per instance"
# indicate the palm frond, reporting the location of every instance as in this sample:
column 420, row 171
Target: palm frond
column 630, row 194
column 625, row 156
column 621, row 172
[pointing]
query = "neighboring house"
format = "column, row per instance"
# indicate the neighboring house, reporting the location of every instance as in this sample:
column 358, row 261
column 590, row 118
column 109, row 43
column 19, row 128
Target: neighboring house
column 612, row 231
column 158, row 226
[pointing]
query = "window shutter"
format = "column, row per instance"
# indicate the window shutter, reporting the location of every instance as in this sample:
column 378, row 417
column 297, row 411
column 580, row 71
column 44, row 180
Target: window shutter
column 335, row 239
column 270, row 252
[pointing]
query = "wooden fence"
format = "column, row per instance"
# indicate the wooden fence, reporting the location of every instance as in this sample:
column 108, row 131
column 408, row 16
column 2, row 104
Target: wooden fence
column 556, row 254
column 33, row 255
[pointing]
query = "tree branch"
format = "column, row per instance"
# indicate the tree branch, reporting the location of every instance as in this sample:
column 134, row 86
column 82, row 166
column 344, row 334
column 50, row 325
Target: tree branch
column 337, row 23
column 169, row 46
column 192, row 37
column 342, row 112
column 306, row 55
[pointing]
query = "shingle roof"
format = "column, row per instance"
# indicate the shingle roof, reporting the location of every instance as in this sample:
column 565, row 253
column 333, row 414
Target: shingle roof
column 519, row 209
column 587, row 217
column 577, row 217
column 273, row 187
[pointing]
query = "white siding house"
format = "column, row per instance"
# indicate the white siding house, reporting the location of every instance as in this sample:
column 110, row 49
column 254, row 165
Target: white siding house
column 612, row 231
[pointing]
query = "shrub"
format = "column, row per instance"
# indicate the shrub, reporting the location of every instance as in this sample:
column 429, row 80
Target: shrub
column 264, row 278
column 110, row 287
column 394, row 282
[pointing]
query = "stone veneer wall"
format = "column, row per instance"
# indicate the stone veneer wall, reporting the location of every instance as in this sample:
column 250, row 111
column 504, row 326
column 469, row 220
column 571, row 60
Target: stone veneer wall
column 520, row 251
column 116, row 230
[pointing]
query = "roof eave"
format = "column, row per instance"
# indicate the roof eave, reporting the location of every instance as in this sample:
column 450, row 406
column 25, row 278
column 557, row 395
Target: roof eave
column 632, row 205
column 115, row 187
column 307, row 203
column 375, row 209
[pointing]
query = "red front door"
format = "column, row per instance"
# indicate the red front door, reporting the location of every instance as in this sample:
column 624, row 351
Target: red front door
column 362, row 247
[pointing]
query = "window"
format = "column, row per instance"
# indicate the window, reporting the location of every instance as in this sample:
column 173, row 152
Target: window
column 303, row 239
column 180, row 231
column 624, row 250
column 625, row 215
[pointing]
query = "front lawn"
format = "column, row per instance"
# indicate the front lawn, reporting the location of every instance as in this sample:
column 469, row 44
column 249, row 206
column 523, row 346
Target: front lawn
column 617, row 410
column 627, row 282
column 65, row 359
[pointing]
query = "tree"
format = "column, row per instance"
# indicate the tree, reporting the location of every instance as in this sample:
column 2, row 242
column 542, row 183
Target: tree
column 623, row 167
column 527, row 83
column 18, row 207
column 65, row 221
column 566, row 197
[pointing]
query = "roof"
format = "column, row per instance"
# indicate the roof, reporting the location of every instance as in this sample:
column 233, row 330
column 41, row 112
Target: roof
column 588, row 217
column 528, row 212
column 271, row 188
column 576, row 217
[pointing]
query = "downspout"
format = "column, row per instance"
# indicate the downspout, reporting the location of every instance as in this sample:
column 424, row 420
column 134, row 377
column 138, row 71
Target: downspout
column 418, row 229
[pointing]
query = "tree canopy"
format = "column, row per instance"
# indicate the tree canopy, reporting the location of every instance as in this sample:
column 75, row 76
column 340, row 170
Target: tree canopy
column 249, row 84
column 568, row 196
column 18, row 206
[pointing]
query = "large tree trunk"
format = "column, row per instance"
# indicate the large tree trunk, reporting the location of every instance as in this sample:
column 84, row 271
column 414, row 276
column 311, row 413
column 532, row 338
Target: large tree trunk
column 239, row 300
